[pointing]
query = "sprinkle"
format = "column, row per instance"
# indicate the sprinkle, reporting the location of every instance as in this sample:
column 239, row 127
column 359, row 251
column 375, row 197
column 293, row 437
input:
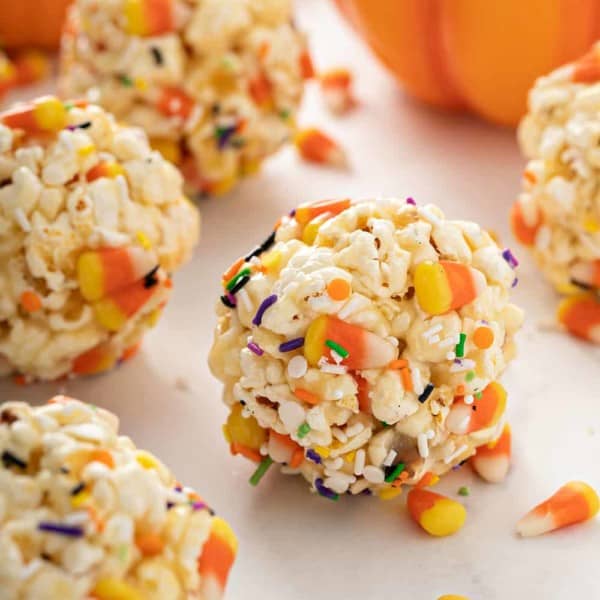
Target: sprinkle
column 417, row 381
column 455, row 454
column 233, row 269
column 228, row 301
column 515, row 282
column 126, row 81
column 325, row 491
column 262, row 248
column 464, row 491
column 234, row 280
column 297, row 367
column 312, row 455
column 338, row 289
column 262, row 468
column 373, row 474
column 468, row 399
column 266, row 303
column 9, row 459
column 433, row 330
column 333, row 369
column 322, row 451
column 307, row 397
column 339, row 434
column 462, row 365
column 157, row 55
column 224, row 134
column 451, row 340
column 67, row 530
column 510, row 258
column 399, row 363
column 392, row 472
column 470, row 376
column 422, row 445
column 426, row 393
column 389, row 459
column 353, row 305
column 254, row 347
column 291, row 345
column 198, row 505
column 245, row 298
column 354, row 429
column 359, row 462
column 483, row 337
column 410, row 200
column 407, row 383
column 303, row 430
column 434, row 339
column 460, row 347
column 450, row 355
column 30, row 301
column 339, row 349
column 77, row 489
column 239, row 285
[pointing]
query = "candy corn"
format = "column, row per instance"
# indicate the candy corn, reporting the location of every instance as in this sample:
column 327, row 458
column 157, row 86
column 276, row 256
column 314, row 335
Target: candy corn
column 574, row 502
column 437, row 515
column 216, row 559
column 170, row 149
column 311, row 230
column 483, row 413
column 444, row 286
column 111, row 588
column 315, row 146
column 106, row 270
column 524, row 232
column 98, row 359
column 107, row 169
column 336, row 86
column 580, row 314
column 45, row 115
column 31, row 66
column 306, row 65
column 244, row 431
column 261, row 90
column 586, row 272
column 492, row 461
column 587, row 68
column 359, row 348
column 174, row 102
column 309, row 211
column 283, row 449
column 149, row 17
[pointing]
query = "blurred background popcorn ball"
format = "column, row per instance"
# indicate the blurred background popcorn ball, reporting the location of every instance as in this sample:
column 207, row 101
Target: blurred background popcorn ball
column 361, row 345
column 215, row 83
column 92, row 222
column 85, row 514
column 557, row 214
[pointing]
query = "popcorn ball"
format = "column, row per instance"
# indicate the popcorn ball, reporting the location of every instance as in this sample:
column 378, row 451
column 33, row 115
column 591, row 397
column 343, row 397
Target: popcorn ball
column 557, row 215
column 361, row 345
column 85, row 514
column 215, row 83
column 92, row 223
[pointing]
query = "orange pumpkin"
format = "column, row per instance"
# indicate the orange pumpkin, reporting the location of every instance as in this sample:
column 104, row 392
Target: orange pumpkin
column 31, row 22
column 472, row 54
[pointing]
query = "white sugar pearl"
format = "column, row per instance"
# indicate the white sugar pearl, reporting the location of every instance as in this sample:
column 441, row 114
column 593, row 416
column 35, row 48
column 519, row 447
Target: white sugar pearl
column 297, row 367
column 373, row 474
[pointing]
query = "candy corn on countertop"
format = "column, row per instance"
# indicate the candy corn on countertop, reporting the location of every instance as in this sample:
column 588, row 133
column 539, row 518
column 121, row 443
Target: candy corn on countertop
column 297, row 545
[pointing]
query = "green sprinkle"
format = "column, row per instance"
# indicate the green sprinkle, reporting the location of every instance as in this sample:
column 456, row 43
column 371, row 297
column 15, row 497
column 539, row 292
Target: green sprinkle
column 123, row 553
column 339, row 349
column 464, row 491
column 126, row 81
column 460, row 347
column 394, row 474
column 385, row 424
column 284, row 114
column 303, row 430
column 262, row 468
column 231, row 283
column 478, row 395
column 69, row 106
column 470, row 376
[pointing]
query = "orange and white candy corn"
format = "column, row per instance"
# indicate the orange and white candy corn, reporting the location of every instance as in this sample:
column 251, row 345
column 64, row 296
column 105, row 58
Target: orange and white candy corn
column 586, row 272
column 106, row 270
column 174, row 102
column 108, row 169
column 315, row 146
column 44, row 115
column 580, row 315
column 31, row 66
column 216, row 559
column 244, row 435
column 98, row 359
column 361, row 349
column 310, row 211
column 261, row 90
column 484, row 412
column 574, row 502
column 307, row 68
column 587, row 68
column 149, row 17
column 282, row 449
column 524, row 231
column 336, row 87
column 446, row 285
column 492, row 461
column 436, row 514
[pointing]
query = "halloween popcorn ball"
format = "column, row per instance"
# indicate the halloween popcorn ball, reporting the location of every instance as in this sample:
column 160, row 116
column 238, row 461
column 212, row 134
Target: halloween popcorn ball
column 361, row 345
column 92, row 223
column 215, row 83
column 85, row 514
column 557, row 215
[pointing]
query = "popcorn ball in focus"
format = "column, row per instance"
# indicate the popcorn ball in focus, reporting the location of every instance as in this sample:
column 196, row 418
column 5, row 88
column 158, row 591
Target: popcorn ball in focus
column 93, row 222
column 557, row 215
column 85, row 514
column 215, row 83
column 361, row 345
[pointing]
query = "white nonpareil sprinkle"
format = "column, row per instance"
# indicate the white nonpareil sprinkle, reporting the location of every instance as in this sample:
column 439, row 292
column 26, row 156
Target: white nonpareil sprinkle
column 245, row 298
column 433, row 330
column 389, row 459
column 297, row 367
column 336, row 357
column 455, row 454
column 373, row 474
column 339, row 434
column 338, row 395
column 354, row 429
column 451, row 340
column 264, row 450
column 359, row 462
column 465, row 364
column 417, row 381
column 22, row 220
column 422, row 445
column 468, row 399
column 333, row 369
column 353, row 305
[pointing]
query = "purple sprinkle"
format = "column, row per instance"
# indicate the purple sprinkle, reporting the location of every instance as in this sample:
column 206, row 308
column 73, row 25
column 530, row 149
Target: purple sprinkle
column 266, row 303
column 199, row 505
column 514, row 283
column 178, row 488
column 325, row 491
column 410, row 200
column 314, row 456
column 510, row 258
column 291, row 345
column 254, row 347
column 231, row 298
column 170, row 505
column 68, row 530
column 293, row 213
column 224, row 134
column 366, row 492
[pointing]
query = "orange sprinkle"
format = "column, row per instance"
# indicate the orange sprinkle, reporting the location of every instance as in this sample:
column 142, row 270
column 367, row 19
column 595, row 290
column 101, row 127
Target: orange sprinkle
column 483, row 337
column 253, row 455
column 307, row 68
column 406, row 379
column 261, row 90
column 297, row 458
column 95, row 518
column 102, row 456
column 306, row 396
column 263, row 50
column 338, row 289
column 428, row 479
column 530, row 176
column 460, row 390
column 399, row 363
column 168, row 283
column 30, row 301
column 149, row 544
column 232, row 270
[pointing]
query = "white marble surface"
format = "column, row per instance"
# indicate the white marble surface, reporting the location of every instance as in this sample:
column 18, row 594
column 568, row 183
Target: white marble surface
column 297, row 546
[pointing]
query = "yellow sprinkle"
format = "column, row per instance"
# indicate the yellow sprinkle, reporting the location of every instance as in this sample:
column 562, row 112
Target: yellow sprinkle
column 322, row 451
column 142, row 238
column 86, row 150
column 349, row 458
column 146, row 459
column 140, row 84
column 389, row 493
column 80, row 499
